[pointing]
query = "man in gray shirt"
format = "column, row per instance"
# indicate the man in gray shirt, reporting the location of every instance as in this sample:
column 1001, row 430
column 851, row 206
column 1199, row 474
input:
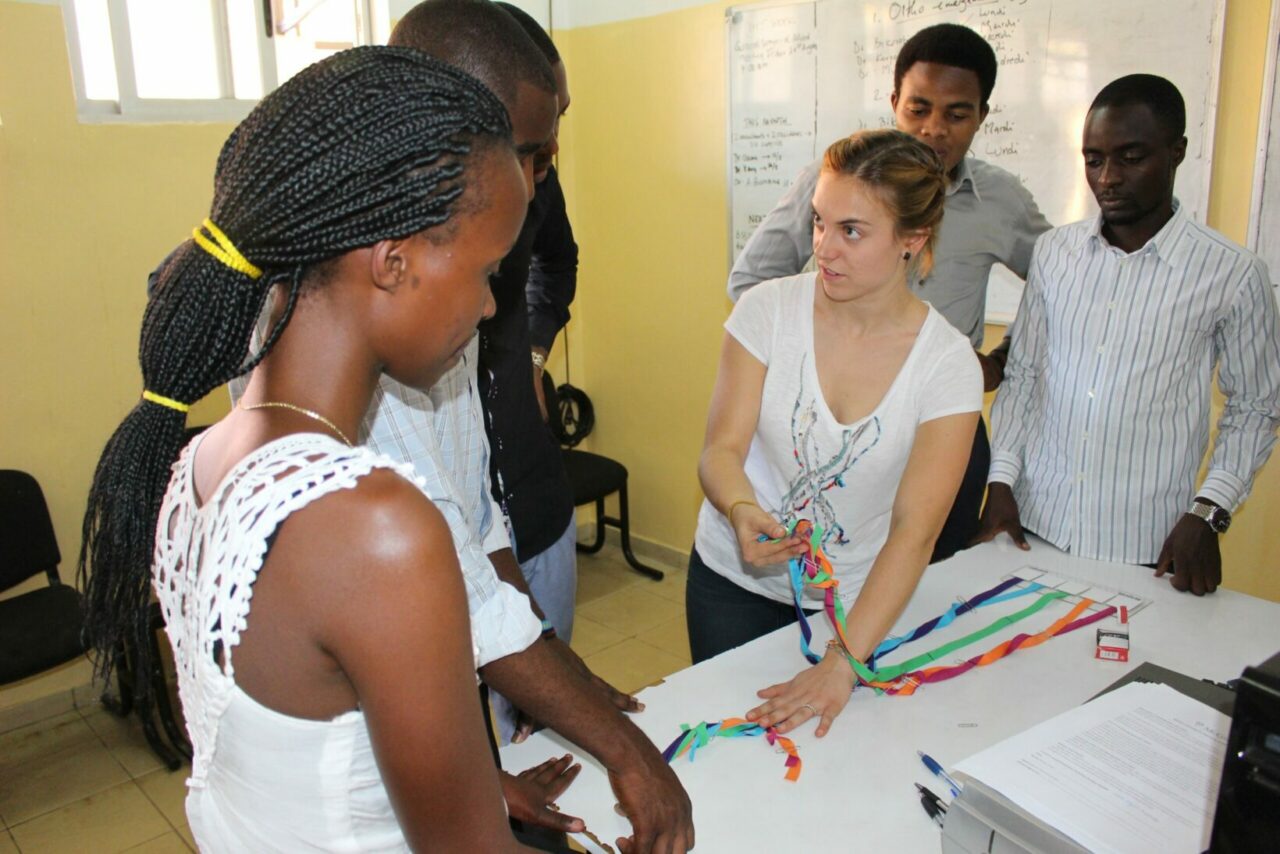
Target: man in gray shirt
column 943, row 79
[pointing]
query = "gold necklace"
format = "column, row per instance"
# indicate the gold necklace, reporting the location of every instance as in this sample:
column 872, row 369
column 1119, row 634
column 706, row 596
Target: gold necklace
column 272, row 404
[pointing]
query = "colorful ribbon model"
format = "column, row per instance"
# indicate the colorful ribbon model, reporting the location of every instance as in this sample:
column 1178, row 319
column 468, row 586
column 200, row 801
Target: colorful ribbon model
column 908, row 683
column 814, row 569
column 691, row 738
column 987, row 597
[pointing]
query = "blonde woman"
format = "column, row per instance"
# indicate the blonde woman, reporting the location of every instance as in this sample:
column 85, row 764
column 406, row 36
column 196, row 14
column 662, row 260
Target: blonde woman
column 844, row 400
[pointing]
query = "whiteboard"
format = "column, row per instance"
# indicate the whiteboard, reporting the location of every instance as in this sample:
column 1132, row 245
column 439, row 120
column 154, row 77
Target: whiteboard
column 1264, row 222
column 802, row 75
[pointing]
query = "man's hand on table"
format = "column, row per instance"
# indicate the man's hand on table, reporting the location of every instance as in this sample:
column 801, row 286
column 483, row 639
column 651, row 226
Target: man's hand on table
column 1192, row 554
column 819, row 691
column 540, row 680
column 654, row 801
column 1000, row 514
column 531, row 794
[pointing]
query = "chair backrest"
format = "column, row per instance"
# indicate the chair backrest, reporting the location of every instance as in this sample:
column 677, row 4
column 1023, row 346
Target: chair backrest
column 27, row 543
column 569, row 411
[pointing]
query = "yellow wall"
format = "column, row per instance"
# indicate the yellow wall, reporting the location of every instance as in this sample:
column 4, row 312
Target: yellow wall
column 85, row 212
column 643, row 154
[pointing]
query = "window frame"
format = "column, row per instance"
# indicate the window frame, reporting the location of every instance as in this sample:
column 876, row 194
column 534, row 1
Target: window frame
column 226, row 108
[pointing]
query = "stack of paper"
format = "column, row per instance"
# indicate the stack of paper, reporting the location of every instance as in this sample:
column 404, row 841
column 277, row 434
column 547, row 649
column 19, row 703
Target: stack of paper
column 1135, row 770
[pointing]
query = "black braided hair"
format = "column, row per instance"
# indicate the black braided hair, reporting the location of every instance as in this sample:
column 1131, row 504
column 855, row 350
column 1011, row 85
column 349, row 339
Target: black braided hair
column 367, row 145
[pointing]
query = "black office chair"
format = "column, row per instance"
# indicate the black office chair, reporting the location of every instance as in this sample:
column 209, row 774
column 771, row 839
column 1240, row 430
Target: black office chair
column 40, row 629
column 593, row 477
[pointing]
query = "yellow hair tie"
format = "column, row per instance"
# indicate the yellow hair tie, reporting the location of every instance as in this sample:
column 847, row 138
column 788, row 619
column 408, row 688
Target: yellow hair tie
column 224, row 250
column 166, row 401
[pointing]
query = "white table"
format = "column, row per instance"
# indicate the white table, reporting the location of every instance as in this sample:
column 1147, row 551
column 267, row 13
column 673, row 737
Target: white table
column 855, row 792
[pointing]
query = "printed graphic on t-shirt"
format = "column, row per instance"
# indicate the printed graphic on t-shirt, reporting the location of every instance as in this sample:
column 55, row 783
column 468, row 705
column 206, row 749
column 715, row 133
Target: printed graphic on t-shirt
column 819, row 469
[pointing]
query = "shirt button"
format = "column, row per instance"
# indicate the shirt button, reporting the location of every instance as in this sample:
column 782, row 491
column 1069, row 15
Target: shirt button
column 1111, row 306
column 1101, row 348
column 1080, row 477
column 1091, row 393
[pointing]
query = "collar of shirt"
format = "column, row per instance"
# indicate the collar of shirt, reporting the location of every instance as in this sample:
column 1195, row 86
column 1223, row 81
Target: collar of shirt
column 1168, row 244
column 964, row 176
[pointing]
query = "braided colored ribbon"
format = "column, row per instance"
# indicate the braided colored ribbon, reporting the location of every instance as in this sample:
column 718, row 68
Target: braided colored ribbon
column 814, row 569
column 692, row 738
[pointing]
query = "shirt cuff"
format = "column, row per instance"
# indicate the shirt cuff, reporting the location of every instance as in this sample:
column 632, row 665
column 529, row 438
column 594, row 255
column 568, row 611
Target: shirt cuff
column 503, row 625
column 1005, row 468
column 1223, row 488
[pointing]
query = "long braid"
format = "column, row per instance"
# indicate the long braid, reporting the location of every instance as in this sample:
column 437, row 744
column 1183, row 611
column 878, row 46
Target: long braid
column 367, row 145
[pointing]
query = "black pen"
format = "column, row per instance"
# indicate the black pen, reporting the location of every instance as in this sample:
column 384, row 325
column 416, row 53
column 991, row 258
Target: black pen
column 933, row 805
column 925, row 792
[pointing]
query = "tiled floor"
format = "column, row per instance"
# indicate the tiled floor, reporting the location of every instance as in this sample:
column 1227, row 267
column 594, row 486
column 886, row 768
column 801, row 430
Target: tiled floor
column 85, row 781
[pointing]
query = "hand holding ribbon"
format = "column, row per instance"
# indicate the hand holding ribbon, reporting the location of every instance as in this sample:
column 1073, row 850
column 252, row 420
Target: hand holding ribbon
column 762, row 539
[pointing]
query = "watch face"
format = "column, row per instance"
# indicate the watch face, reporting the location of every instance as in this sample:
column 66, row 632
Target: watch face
column 1219, row 520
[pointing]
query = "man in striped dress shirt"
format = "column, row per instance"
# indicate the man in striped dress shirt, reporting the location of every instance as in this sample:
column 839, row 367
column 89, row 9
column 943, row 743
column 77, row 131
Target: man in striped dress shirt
column 1103, row 418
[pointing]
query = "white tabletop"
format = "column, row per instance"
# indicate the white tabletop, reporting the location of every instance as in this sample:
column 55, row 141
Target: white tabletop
column 856, row 790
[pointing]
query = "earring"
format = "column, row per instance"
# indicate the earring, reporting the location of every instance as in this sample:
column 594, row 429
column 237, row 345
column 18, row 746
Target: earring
column 906, row 256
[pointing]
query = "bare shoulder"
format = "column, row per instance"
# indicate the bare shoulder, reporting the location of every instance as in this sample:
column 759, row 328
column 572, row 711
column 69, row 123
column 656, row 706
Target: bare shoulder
column 380, row 534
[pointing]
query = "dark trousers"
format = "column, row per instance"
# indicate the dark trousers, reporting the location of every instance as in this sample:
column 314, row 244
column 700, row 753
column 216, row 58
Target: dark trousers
column 721, row 615
column 962, row 522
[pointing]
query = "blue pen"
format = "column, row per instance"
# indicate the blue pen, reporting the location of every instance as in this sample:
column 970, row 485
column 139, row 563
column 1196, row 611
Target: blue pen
column 932, row 765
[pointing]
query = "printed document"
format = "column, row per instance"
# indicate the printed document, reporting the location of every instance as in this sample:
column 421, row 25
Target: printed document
column 1137, row 769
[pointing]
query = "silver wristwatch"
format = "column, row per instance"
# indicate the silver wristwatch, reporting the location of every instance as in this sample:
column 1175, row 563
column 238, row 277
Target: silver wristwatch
column 1217, row 518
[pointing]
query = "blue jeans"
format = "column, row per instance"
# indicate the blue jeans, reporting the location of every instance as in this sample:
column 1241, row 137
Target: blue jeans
column 721, row 615
column 552, row 576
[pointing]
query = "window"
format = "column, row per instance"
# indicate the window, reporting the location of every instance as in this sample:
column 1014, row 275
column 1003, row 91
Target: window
column 203, row 60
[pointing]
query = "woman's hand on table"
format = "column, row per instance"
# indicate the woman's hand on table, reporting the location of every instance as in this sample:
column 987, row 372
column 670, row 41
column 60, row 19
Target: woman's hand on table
column 531, row 794
column 750, row 524
column 818, row 691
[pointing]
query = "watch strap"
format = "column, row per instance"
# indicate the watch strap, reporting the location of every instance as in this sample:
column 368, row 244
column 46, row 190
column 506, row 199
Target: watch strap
column 1217, row 518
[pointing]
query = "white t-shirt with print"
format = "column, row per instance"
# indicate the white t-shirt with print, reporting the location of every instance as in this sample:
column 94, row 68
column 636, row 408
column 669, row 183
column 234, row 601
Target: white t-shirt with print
column 803, row 464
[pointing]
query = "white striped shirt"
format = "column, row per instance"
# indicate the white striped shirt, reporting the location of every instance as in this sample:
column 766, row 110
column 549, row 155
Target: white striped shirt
column 442, row 435
column 1103, row 417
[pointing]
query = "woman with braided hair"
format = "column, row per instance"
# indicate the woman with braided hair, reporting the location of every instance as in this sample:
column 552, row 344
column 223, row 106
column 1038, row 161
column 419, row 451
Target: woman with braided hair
column 365, row 204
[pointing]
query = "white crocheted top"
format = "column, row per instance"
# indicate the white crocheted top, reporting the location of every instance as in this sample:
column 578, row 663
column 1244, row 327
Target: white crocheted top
column 260, row 780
